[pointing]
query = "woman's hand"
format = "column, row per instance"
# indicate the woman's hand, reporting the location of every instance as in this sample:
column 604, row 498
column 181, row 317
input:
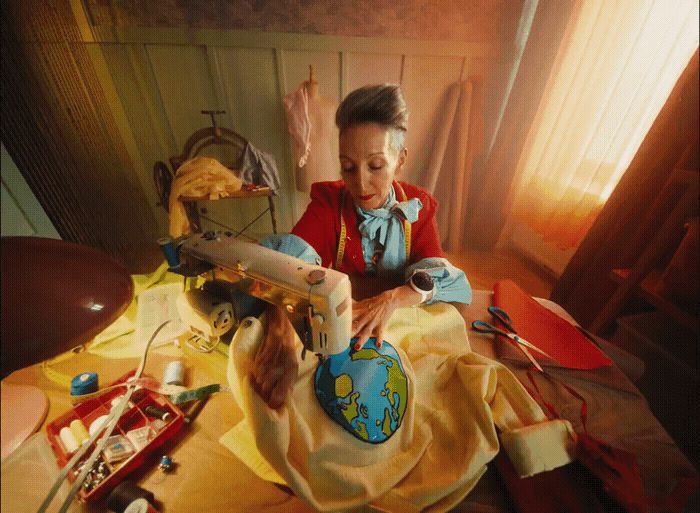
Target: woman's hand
column 370, row 316
column 275, row 366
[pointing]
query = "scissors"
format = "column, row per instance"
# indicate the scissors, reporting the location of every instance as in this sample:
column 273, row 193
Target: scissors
column 501, row 315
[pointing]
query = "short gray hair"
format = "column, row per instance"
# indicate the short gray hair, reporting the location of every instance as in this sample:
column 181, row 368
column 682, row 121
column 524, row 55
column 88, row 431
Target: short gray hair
column 381, row 104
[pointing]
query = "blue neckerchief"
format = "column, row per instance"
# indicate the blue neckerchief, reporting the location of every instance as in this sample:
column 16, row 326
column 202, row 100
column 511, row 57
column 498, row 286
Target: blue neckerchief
column 383, row 227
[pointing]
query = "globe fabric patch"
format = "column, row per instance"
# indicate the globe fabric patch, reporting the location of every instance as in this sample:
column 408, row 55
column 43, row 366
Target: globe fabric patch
column 364, row 391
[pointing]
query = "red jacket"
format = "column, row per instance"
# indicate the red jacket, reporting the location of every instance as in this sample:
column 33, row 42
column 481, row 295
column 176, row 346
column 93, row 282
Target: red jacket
column 320, row 226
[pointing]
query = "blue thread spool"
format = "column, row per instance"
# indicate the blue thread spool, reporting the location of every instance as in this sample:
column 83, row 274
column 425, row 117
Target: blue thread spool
column 84, row 383
column 166, row 463
column 167, row 246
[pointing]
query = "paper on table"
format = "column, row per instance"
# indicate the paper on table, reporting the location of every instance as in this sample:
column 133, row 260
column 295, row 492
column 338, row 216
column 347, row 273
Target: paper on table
column 546, row 330
column 241, row 443
column 155, row 306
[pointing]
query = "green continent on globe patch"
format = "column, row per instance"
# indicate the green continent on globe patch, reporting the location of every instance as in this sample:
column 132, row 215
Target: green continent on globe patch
column 362, row 431
column 350, row 413
column 350, row 410
column 396, row 383
column 343, row 385
column 386, row 423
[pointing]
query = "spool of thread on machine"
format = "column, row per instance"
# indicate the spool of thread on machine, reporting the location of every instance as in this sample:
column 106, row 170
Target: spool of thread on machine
column 125, row 494
column 84, row 383
column 169, row 249
column 174, row 373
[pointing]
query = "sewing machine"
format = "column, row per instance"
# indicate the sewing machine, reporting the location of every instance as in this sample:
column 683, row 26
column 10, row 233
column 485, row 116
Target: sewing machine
column 322, row 296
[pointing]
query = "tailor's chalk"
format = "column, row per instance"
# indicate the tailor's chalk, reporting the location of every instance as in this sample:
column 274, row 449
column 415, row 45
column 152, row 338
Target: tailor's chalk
column 68, row 440
column 84, row 383
column 117, row 448
column 174, row 373
column 140, row 437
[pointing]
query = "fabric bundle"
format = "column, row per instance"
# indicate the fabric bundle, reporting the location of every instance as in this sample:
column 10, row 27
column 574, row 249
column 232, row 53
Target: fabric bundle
column 458, row 404
column 200, row 177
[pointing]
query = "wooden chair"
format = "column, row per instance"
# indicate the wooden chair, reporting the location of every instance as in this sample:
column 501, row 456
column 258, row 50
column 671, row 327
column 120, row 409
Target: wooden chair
column 210, row 137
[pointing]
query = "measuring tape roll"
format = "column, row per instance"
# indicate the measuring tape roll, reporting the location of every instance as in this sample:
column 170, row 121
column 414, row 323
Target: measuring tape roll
column 125, row 494
column 84, row 383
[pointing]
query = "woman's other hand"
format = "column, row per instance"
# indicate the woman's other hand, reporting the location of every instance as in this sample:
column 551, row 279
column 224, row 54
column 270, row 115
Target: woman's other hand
column 370, row 316
column 275, row 366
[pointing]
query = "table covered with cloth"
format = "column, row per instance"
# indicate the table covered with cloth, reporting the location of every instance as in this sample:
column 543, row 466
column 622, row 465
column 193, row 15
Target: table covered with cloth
column 208, row 477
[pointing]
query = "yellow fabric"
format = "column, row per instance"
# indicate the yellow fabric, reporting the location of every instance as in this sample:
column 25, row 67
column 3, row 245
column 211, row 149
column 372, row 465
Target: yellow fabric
column 199, row 177
column 457, row 401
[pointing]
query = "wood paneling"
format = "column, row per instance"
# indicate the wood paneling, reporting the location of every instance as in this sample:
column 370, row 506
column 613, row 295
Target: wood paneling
column 156, row 80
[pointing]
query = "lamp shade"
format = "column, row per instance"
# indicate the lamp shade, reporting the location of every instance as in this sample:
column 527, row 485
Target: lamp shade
column 56, row 295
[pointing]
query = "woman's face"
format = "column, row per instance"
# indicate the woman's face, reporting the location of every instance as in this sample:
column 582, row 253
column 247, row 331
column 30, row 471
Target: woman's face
column 368, row 163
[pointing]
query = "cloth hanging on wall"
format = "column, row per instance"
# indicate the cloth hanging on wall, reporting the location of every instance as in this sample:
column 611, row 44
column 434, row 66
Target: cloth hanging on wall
column 311, row 124
column 259, row 168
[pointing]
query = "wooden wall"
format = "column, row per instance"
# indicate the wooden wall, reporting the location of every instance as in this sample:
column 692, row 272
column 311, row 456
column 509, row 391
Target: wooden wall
column 164, row 78
column 154, row 80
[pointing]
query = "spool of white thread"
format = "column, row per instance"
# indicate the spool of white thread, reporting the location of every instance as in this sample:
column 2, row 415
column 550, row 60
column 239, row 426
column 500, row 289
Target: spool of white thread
column 97, row 424
column 174, row 373
column 68, row 440
column 79, row 432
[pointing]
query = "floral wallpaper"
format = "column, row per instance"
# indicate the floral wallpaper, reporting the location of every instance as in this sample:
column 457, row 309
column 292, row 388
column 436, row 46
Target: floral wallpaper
column 488, row 21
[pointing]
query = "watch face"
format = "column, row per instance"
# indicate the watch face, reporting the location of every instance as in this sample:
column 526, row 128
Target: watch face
column 422, row 281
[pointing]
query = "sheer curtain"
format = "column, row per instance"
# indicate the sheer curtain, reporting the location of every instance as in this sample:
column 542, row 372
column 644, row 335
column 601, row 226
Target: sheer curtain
column 614, row 70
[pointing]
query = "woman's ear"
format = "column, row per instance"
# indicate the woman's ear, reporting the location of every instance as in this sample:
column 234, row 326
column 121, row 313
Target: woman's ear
column 402, row 159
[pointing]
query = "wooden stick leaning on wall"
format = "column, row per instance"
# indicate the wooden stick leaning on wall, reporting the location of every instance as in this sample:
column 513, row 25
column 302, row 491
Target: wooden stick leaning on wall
column 462, row 169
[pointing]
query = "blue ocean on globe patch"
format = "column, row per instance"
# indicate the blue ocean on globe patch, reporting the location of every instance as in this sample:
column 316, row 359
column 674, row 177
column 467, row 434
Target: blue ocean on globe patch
column 364, row 391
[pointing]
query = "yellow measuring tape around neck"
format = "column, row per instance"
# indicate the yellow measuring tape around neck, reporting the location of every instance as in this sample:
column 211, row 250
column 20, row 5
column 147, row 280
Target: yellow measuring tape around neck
column 344, row 230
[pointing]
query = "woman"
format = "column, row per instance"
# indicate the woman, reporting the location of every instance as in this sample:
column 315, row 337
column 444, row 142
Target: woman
column 366, row 223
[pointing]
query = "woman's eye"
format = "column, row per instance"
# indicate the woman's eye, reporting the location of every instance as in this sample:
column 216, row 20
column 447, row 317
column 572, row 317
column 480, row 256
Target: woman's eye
column 376, row 166
column 347, row 168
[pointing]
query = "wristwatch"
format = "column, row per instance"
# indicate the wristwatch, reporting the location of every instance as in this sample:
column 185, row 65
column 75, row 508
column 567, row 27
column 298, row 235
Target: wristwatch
column 422, row 283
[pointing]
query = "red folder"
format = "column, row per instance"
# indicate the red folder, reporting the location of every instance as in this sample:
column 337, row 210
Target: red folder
column 546, row 330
